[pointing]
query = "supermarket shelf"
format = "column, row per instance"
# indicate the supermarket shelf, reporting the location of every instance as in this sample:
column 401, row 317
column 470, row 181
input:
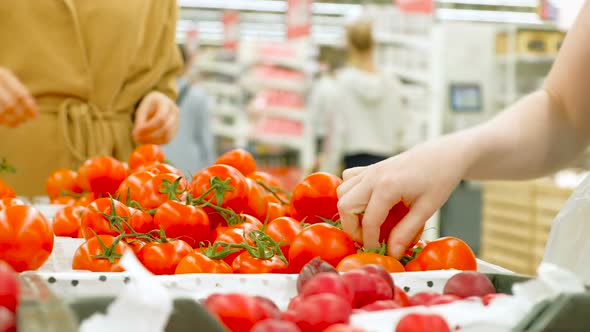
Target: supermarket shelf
column 255, row 84
column 225, row 110
column 221, row 88
column 281, row 62
column 294, row 142
column 225, row 131
column 421, row 42
column 279, row 112
column 526, row 58
column 226, row 68
column 411, row 75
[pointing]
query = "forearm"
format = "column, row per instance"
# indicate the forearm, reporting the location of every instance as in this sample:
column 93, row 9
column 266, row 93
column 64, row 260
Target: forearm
column 533, row 137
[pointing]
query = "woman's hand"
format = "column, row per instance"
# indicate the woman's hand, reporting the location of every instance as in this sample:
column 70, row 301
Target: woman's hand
column 156, row 120
column 423, row 177
column 16, row 102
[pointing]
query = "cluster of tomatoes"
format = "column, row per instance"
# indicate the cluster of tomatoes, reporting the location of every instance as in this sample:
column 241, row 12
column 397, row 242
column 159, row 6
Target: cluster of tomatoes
column 326, row 300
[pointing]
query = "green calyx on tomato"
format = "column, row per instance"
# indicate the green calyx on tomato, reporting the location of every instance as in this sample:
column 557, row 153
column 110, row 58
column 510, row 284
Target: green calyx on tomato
column 275, row 191
column 382, row 250
column 264, row 248
column 407, row 258
column 336, row 223
column 6, row 167
column 115, row 220
column 213, row 252
column 171, row 188
column 109, row 253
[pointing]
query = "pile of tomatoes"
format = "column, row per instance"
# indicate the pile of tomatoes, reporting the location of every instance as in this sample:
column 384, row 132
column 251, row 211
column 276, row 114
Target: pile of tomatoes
column 226, row 218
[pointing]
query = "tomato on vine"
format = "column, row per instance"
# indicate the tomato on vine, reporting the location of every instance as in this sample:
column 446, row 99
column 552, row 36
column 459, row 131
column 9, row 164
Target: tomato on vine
column 239, row 159
column 100, row 253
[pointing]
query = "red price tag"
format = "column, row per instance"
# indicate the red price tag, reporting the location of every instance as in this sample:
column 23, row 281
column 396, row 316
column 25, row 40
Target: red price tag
column 416, row 6
column 298, row 18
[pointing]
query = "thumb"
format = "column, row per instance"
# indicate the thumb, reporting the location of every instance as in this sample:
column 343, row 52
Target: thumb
column 403, row 233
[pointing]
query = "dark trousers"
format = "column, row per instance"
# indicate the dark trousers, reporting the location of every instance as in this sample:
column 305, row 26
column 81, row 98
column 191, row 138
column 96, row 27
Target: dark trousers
column 362, row 159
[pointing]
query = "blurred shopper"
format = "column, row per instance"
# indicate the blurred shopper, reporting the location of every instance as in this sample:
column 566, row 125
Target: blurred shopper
column 192, row 148
column 537, row 135
column 96, row 76
column 365, row 107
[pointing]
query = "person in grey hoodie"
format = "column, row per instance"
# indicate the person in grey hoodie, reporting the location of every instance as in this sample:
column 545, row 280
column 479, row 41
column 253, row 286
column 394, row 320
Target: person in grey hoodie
column 366, row 116
column 192, row 148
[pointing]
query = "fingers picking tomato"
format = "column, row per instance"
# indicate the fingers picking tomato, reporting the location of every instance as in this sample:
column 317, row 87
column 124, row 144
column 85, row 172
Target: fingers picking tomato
column 320, row 240
column 315, row 198
column 101, row 175
column 61, row 182
column 240, row 159
column 197, row 262
column 358, row 260
column 163, row 258
column 26, row 237
column 179, row 220
column 144, row 154
column 100, row 254
column 67, row 221
column 442, row 254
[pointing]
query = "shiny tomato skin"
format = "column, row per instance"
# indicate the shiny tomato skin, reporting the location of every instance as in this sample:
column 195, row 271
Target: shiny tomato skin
column 135, row 244
column 277, row 210
column 9, row 289
column 318, row 312
column 84, row 257
column 67, row 221
column 239, row 312
column 26, row 238
column 6, row 190
column 284, row 230
column 239, row 159
column 94, row 220
column 320, row 240
column 150, row 196
column 85, row 200
column 233, row 235
column 247, row 264
column 130, row 189
column 422, row 322
column 257, row 200
column 235, row 199
column 343, row 328
column 400, row 297
column 163, row 258
column 423, row 298
column 443, row 254
column 197, row 262
column 275, row 325
column 63, row 200
column 140, row 221
column 358, row 260
column 367, row 288
column 101, row 175
column 162, row 168
column 9, row 201
column 382, row 305
column 179, row 220
column 60, row 182
column 144, row 154
column 316, row 197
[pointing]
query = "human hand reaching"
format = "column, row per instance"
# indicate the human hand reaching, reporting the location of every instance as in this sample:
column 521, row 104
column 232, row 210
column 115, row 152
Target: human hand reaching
column 156, row 119
column 17, row 105
column 423, row 177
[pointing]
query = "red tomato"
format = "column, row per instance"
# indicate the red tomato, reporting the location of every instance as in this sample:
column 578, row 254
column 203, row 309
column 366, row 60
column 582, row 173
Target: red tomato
column 135, row 244
column 239, row 312
column 422, row 298
column 26, row 238
column 85, row 200
column 9, row 289
column 197, row 262
column 235, row 197
column 153, row 192
column 140, row 221
column 267, row 178
column 275, row 325
column 233, row 235
column 356, row 261
column 284, row 230
column 419, row 245
column 276, row 210
column 179, row 220
column 246, row 263
column 401, row 297
column 163, row 258
column 380, row 271
column 367, row 288
column 443, row 299
column 320, row 240
column 101, row 218
column 382, row 305
column 61, row 182
column 145, row 154
column 101, row 175
column 159, row 168
column 327, row 282
column 67, row 221
column 100, row 254
column 422, row 322
column 6, row 190
column 442, row 254
column 9, row 201
column 318, row 312
column 239, row 159
column 257, row 204
column 316, row 197
column 64, row 200
column 130, row 188
column 343, row 328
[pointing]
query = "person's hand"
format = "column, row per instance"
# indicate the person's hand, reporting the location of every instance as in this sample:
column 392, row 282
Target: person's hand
column 16, row 102
column 156, row 120
column 423, row 178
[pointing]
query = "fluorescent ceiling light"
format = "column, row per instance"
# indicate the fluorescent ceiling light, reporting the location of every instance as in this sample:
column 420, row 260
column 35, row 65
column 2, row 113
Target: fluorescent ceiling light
column 507, row 3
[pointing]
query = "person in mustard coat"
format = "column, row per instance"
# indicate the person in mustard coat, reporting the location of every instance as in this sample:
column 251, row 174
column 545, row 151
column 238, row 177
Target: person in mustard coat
column 96, row 77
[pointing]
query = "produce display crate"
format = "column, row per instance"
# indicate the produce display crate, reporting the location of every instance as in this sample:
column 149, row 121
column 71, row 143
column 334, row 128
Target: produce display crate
column 516, row 222
column 566, row 313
